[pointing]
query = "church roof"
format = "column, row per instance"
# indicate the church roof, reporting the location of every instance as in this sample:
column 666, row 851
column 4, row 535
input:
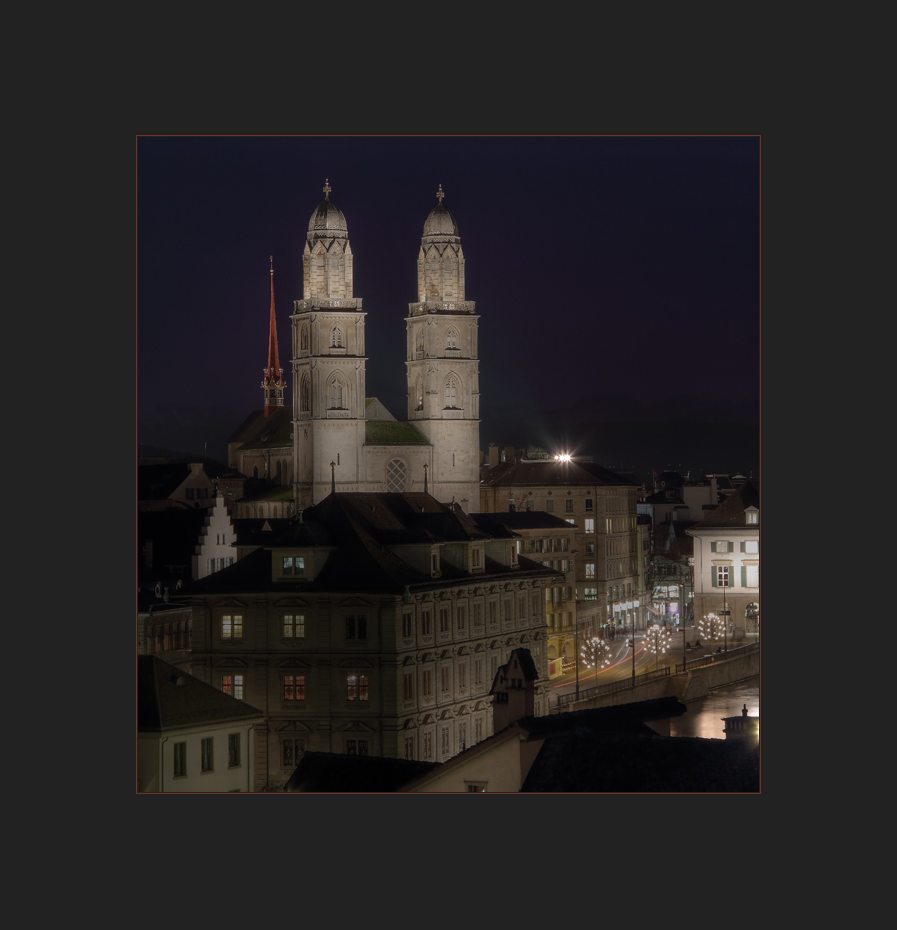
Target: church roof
column 440, row 222
column 260, row 432
column 520, row 520
column 327, row 219
column 393, row 433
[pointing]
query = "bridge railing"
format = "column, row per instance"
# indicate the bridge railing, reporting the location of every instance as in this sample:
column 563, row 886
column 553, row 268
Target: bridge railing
column 706, row 660
column 612, row 687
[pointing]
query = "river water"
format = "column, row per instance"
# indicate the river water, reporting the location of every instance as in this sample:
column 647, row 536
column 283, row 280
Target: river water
column 703, row 716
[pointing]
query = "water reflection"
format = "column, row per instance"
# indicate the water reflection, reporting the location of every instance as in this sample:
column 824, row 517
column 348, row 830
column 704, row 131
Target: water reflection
column 703, row 716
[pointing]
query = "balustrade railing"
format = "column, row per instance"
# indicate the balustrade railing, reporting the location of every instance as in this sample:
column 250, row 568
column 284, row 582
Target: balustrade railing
column 612, row 687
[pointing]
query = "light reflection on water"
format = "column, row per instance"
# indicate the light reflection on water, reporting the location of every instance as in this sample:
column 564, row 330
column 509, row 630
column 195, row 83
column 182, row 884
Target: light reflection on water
column 703, row 716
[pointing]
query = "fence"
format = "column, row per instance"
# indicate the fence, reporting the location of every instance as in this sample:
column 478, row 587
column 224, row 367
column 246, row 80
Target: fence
column 612, row 687
column 704, row 661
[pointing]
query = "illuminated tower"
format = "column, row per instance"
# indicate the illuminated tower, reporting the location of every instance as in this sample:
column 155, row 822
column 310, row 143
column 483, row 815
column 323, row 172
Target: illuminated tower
column 274, row 383
column 328, row 363
column 443, row 366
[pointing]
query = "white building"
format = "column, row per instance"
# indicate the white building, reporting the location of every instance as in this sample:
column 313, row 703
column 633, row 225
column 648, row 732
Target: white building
column 727, row 559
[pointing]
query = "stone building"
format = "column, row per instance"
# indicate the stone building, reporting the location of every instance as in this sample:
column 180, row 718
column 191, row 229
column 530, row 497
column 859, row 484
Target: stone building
column 374, row 624
column 336, row 442
column 606, row 584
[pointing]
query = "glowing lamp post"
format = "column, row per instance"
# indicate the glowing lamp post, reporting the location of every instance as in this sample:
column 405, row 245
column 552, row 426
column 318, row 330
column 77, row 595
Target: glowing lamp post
column 595, row 654
column 657, row 640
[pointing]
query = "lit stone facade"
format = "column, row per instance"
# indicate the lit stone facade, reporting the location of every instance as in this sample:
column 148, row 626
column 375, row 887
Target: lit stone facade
column 335, row 445
column 605, row 587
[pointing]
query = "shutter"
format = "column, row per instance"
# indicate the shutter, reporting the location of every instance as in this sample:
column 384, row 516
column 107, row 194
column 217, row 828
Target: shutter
column 743, row 575
column 741, row 545
column 713, row 547
column 731, row 546
column 713, row 577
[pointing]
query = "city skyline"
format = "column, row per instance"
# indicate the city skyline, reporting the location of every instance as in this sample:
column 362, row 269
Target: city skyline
column 616, row 279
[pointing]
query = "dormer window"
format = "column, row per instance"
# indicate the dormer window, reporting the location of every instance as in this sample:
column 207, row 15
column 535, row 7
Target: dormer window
column 293, row 565
column 752, row 516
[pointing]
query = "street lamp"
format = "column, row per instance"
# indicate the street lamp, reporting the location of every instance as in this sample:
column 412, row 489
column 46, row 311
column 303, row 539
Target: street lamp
column 752, row 612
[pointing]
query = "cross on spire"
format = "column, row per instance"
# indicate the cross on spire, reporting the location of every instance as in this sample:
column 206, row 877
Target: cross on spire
column 327, row 188
column 440, row 195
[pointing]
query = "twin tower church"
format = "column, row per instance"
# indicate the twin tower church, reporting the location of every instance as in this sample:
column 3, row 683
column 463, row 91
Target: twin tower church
column 339, row 438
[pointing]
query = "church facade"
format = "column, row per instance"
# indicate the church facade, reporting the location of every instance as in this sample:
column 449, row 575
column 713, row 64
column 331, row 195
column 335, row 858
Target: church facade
column 347, row 442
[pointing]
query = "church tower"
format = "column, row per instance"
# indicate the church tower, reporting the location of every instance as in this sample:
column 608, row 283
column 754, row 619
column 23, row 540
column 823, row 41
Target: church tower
column 328, row 364
column 443, row 366
column 274, row 383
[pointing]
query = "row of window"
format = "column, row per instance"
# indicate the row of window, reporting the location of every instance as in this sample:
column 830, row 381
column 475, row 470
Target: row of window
column 357, row 687
column 746, row 545
column 721, row 576
column 207, row 754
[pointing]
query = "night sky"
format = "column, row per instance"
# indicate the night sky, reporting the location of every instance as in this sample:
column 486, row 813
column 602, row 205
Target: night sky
column 616, row 279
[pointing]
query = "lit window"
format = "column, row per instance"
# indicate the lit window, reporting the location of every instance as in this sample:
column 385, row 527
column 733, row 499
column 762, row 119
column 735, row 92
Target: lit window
column 751, row 516
column 232, row 626
column 590, row 524
column 357, row 688
column 590, row 570
column 294, row 565
column 232, row 685
column 721, row 576
column 591, row 594
column 233, row 749
column 294, row 687
column 180, row 759
column 208, row 760
column 291, row 751
column 294, row 626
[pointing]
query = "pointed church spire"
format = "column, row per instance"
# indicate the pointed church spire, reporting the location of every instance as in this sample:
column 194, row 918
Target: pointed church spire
column 273, row 384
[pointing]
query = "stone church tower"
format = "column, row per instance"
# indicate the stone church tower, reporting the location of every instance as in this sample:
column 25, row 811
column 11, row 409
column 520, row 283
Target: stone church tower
column 347, row 442
column 443, row 365
column 328, row 363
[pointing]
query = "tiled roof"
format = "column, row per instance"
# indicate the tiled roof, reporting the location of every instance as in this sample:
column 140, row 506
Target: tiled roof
column 359, row 528
column 163, row 703
column 260, row 432
column 731, row 511
column 157, row 478
column 521, row 520
column 330, row 771
column 552, row 474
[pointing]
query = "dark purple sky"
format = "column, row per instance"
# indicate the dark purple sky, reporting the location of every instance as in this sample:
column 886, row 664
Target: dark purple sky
column 617, row 281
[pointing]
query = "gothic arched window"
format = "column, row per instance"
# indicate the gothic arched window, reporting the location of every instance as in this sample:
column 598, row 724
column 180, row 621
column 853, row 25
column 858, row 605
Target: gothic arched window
column 336, row 394
column 451, row 339
column 303, row 338
column 451, row 392
column 419, row 395
column 304, row 394
column 396, row 475
column 336, row 338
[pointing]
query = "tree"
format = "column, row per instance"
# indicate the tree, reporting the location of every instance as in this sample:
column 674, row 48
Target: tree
column 711, row 627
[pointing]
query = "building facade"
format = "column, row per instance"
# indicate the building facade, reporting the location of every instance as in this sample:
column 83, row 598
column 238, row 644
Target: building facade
column 727, row 560
column 606, row 585
column 374, row 625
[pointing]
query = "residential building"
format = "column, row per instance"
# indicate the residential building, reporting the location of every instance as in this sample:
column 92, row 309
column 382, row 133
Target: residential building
column 601, row 505
column 549, row 540
column 190, row 736
column 372, row 625
column 727, row 559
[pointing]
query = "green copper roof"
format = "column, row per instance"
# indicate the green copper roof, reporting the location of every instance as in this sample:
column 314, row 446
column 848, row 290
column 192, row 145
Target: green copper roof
column 391, row 432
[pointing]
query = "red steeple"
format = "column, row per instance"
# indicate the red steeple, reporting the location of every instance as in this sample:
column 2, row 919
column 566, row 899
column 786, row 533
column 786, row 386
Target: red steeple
column 273, row 384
